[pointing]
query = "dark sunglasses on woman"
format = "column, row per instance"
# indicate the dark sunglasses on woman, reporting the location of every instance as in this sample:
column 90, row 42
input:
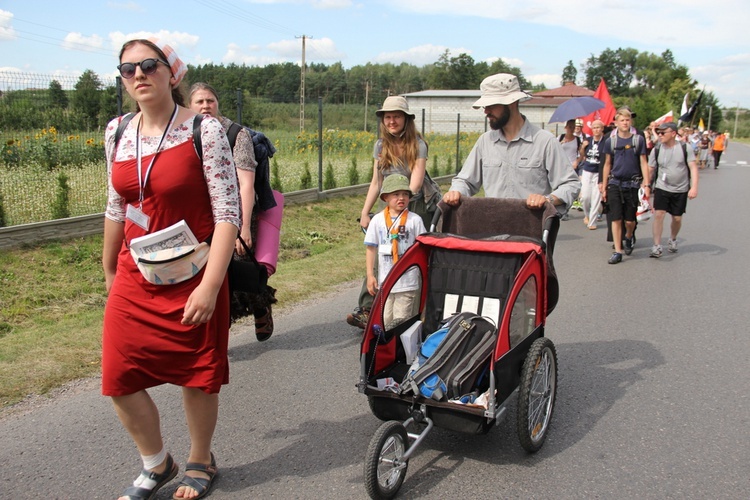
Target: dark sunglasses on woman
column 148, row 66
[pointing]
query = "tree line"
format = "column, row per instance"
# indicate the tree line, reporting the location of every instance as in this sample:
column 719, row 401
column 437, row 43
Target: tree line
column 650, row 84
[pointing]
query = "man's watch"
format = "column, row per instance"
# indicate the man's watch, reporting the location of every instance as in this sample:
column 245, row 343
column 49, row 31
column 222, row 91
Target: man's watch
column 549, row 199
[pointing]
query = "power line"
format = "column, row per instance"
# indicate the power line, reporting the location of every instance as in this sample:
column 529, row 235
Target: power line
column 79, row 46
column 237, row 12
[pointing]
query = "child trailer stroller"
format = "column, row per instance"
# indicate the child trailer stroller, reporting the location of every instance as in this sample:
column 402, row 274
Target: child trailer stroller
column 491, row 264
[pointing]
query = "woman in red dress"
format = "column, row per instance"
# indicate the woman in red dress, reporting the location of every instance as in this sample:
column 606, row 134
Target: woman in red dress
column 175, row 333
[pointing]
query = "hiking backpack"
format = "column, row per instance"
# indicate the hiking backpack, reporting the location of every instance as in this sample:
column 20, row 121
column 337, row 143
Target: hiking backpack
column 452, row 361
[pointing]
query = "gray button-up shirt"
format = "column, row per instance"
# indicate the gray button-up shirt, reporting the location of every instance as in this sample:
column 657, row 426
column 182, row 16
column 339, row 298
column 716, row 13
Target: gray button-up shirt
column 533, row 162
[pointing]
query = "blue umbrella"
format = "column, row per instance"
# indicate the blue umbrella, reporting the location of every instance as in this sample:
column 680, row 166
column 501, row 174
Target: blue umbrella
column 576, row 108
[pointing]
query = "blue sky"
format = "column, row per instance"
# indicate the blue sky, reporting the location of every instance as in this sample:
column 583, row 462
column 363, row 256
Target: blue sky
column 539, row 36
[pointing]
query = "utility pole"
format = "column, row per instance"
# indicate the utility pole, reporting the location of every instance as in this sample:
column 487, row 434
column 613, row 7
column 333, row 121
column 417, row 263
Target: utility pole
column 367, row 97
column 736, row 114
column 302, row 88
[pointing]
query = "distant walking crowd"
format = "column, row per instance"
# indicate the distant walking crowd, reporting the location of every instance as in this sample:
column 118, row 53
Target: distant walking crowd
column 617, row 172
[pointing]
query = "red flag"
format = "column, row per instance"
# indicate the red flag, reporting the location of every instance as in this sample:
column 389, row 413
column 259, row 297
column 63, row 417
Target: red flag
column 665, row 118
column 606, row 114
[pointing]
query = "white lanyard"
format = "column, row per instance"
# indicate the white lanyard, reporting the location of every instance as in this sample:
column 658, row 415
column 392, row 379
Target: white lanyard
column 142, row 181
column 395, row 220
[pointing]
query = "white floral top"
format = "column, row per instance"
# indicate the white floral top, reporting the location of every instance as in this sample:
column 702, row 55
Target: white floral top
column 218, row 166
column 244, row 152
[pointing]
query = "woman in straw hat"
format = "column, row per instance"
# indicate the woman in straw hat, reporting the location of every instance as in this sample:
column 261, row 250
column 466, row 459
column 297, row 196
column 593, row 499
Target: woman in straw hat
column 399, row 150
column 178, row 333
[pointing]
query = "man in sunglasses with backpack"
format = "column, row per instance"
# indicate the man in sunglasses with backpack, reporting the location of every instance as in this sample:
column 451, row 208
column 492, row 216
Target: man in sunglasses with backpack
column 674, row 177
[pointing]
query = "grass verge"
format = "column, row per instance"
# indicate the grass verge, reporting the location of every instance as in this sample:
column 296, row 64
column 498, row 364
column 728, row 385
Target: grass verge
column 52, row 295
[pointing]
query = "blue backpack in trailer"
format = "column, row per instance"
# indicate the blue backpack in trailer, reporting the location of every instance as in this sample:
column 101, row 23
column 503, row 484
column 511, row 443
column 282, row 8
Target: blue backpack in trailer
column 452, row 360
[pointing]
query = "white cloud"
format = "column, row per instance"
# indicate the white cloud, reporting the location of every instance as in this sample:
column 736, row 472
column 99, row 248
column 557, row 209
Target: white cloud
column 550, row 81
column 722, row 75
column 419, row 55
column 6, row 26
column 513, row 61
column 316, row 49
column 692, row 24
column 322, row 49
column 250, row 57
column 510, row 61
column 287, row 49
column 199, row 60
column 176, row 39
column 76, row 41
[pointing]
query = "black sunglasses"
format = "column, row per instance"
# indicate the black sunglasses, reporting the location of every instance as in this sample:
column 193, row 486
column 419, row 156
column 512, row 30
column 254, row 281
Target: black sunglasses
column 148, row 66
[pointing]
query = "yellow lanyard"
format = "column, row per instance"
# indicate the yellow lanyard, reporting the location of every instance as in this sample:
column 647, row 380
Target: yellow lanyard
column 394, row 231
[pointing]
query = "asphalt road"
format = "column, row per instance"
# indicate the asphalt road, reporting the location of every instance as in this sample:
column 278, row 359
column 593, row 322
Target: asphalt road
column 653, row 390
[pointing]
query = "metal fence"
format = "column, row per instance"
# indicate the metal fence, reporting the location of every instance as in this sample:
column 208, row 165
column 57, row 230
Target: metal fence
column 52, row 162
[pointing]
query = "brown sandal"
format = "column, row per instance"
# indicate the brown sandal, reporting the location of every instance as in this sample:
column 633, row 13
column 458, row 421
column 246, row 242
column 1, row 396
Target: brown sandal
column 264, row 326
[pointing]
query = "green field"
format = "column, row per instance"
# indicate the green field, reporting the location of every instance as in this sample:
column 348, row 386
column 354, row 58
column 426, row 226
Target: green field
column 29, row 184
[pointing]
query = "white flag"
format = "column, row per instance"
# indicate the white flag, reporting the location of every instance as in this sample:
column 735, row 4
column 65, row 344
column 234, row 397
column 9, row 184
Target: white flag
column 684, row 108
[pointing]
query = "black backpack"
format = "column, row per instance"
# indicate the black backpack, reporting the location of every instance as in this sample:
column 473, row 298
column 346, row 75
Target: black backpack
column 579, row 140
column 196, row 132
column 262, row 147
column 261, row 153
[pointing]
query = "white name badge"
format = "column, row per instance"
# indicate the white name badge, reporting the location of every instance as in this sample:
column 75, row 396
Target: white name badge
column 137, row 217
column 385, row 249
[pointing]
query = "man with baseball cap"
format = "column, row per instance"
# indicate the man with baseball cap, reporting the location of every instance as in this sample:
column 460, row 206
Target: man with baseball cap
column 674, row 177
column 515, row 159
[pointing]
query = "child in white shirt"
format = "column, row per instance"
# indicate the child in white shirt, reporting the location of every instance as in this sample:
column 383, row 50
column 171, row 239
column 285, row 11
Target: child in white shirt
column 390, row 233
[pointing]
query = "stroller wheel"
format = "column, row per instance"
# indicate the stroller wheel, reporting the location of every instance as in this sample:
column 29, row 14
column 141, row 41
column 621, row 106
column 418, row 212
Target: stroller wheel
column 536, row 397
column 384, row 468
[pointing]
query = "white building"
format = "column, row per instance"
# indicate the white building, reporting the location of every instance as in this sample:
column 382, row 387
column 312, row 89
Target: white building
column 449, row 111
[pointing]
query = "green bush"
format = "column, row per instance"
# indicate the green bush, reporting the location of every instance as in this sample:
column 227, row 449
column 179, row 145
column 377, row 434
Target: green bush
column 12, row 153
column 329, row 180
column 275, row 178
column 353, row 172
column 60, row 205
column 435, row 171
column 3, row 222
column 306, row 179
